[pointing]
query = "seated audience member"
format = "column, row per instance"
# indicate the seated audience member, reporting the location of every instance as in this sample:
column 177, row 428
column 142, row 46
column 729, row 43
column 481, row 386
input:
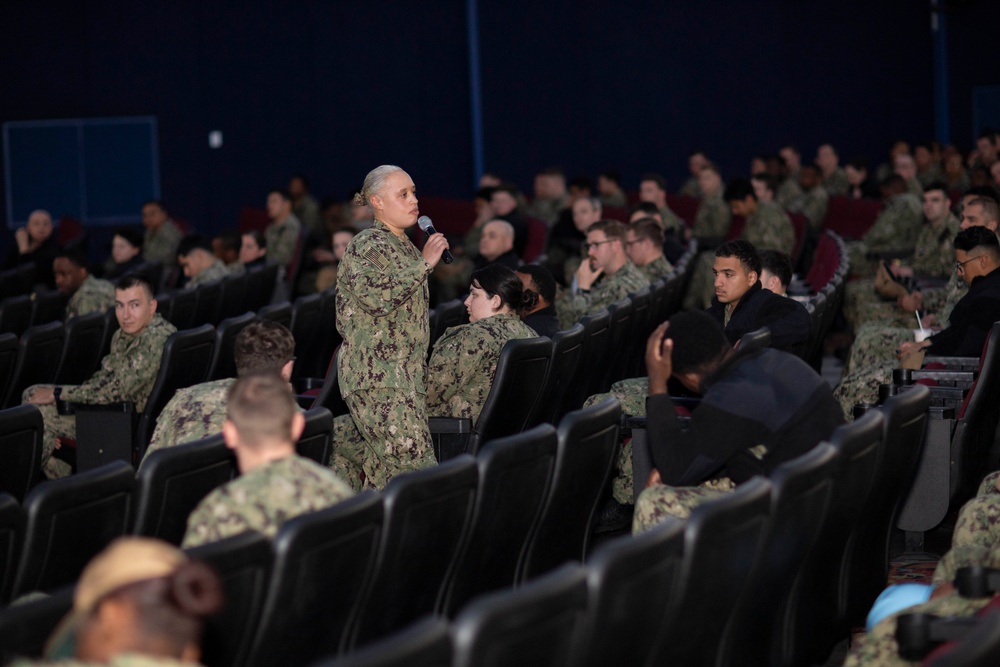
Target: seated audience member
column 86, row 293
column 262, row 425
column 813, row 201
column 860, row 184
column 644, row 247
column 200, row 264
column 35, row 243
column 711, row 223
column 226, row 247
column 340, row 239
column 784, row 168
column 697, row 160
column 484, row 213
column 895, row 229
column 977, row 258
column 198, row 412
column 496, row 246
column 884, row 170
column 139, row 602
column 566, row 238
column 955, row 175
column 550, row 196
column 906, row 168
column 126, row 253
column 764, row 186
column 609, row 188
column 834, row 179
column 305, row 207
column 159, row 244
column 606, row 277
column 253, row 251
column 673, row 248
column 504, row 201
column 767, row 225
column 759, row 409
column 464, row 360
column 775, row 271
column 127, row 373
column 928, row 169
column 979, row 177
column 540, row 287
column 653, row 189
column 285, row 229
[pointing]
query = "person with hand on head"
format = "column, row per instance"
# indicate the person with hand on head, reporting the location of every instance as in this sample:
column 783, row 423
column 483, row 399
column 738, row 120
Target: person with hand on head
column 382, row 314
column 35, row 243
column 464, row 360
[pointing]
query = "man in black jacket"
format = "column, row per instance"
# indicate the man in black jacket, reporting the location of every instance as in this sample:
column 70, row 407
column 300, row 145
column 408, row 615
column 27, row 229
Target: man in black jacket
column 759, row 408
column 742, row 305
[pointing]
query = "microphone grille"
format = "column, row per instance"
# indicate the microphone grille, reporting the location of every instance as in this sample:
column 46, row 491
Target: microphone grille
column 424, row 222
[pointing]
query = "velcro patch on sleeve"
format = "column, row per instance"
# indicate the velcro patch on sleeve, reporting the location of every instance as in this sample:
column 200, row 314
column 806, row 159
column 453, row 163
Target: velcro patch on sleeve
column 375, row 256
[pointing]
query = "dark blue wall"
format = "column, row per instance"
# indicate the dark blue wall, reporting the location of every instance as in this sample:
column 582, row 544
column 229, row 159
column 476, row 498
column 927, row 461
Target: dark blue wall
column 334, row 88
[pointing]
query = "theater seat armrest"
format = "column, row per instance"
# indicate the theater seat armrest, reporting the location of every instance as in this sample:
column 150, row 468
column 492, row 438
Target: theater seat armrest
column 957, row 363
column 69, row 407
column 305, row 402
column 450, row 425
column 450, row 436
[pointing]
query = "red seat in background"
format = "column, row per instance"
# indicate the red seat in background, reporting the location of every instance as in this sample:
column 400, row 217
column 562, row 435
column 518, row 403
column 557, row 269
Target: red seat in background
column 851, row 218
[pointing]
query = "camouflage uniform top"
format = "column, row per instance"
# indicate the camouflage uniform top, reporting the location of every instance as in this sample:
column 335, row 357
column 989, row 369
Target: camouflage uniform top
column 307, row 211
column 263, row 499
column 236, row 268
column 713, row 219
column 464, row 360
column 382, row 313
column 192, row 414
column 129, row 370
column 160, row 245
column 94, row 295
column 934, row 252
column 931, row 174
column 120, row 660
column 547, row 209
column 690, row 188
column 897, row 226
column 770, row 227
column 787, row 192
column 942, row 300
column 214, row 273
column 610, row 288
column 671, row 221
column 836, row 183
column 616, row 200
column 658, row 268
column 282, row 238
column 812, row 204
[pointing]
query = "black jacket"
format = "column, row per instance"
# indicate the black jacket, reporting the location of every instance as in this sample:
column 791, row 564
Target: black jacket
column 757, row 397
column 787, row 319
column 544, row 321
column 971, row 320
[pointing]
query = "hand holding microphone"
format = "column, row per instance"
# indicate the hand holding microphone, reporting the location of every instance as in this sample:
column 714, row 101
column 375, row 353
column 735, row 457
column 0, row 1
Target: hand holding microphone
column 433, row 242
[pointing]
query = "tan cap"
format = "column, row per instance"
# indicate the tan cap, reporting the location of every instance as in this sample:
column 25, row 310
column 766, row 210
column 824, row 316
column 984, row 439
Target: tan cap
column 127, row 560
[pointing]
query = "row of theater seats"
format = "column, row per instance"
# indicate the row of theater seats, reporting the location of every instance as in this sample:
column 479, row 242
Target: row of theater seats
column 49, row 531
column 825, row 285
column 343, row 577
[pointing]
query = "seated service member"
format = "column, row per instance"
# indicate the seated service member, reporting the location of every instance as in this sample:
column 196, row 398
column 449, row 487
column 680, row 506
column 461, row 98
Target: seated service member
column 759, row 408
column 253, row 251
column 275, row 484
column 86, row 293
column 283, row 233
column 606, row 277
column 644, row 246
column 126, row 374
column 199, row 262
column 198, row 412
column 464, row 360
column 775, row 271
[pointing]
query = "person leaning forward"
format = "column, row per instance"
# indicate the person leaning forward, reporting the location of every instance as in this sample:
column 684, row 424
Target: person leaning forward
column 382, row 314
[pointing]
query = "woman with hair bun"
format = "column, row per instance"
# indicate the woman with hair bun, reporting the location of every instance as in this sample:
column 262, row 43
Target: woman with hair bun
column 140, row 602
column 460, row 372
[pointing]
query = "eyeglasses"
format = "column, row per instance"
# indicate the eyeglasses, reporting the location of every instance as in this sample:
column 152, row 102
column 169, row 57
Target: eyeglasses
column 960, row 266
column 629, row 244
column 587, row 246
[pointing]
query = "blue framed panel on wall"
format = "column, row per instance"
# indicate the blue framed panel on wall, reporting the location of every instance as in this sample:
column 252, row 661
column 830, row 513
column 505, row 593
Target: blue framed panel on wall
column 98, row 170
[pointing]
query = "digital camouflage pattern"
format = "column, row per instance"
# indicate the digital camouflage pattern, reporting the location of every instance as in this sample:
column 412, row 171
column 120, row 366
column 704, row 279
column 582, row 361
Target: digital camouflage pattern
column 94, row 295
column 875, row 345
column 934, row 251
column 192, row 414
column 464, row 361
column 211, row 274
column 976, row 533
column 895, row 230
column 264, row 498
column 836, row 183
column 608, row 289
column 127, row 373
column 770, row 228
column 990, row 484
column 382, row 314
column 160, row 245
column 812, row 204
column 660, row 501
column 787, row 192
column 658, row 268
column 631, row 393
column 713, row 219
column 862, row 386
column 690, row 188
column 938, row 300
column 120, row 660
column 282, row 237
column 547, row 209
column 236, row 268
column 671, row 221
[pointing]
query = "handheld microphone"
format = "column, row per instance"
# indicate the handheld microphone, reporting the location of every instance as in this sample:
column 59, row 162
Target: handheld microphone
column 425, row 224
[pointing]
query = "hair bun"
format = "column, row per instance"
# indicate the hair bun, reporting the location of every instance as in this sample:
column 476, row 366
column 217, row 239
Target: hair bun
column 196, row 589
column 360, row 199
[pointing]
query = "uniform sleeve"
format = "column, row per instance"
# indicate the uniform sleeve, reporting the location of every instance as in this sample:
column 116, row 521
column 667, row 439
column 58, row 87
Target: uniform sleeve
column 212, row 520
column 123, row 376
column 285, row 239
column 445, row 371
column 380, row 280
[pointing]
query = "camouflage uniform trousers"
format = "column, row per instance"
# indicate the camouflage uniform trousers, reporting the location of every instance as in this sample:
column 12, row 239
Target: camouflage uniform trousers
column 879, row 648
column 385, row 435
column 977, row 533
column 631, row 394
column 660, row 501
column 861, row 301
column 990, row 484
column 857, row 252
column 875, row 345
column 862, row 386
column 55, row 426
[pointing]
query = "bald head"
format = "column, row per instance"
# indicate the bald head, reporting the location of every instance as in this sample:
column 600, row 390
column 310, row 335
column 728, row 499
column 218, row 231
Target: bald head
column 497, row 239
